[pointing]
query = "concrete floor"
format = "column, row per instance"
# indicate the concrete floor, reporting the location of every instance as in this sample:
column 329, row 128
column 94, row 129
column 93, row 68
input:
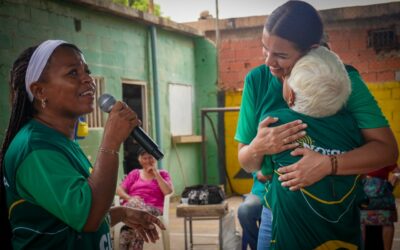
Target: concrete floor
column 206, row 232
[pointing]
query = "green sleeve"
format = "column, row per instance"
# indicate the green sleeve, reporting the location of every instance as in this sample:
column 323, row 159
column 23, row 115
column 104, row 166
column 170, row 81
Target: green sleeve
column 247, row 125
column 47, row 179
column 363, row 105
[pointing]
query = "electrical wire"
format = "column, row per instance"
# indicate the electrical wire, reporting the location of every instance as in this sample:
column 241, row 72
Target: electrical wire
column 219, row 155
column 179, row 162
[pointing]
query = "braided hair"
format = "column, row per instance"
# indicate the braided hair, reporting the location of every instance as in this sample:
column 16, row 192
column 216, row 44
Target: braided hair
column 22, row 110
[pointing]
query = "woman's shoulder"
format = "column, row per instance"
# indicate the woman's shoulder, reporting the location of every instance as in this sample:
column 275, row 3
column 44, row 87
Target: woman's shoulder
column 260, row 78
column 134, row 174
column 259, row 71
column 164, row 172
column 35, row 136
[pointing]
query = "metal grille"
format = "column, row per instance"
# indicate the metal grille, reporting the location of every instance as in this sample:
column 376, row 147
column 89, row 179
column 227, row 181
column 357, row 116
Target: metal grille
column 95, row 119
column 382, row 39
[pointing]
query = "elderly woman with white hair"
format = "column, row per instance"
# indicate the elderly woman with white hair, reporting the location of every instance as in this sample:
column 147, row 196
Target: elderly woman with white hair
column 325, row 214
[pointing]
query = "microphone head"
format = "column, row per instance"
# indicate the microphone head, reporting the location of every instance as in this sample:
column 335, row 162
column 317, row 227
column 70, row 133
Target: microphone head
column 106, row 102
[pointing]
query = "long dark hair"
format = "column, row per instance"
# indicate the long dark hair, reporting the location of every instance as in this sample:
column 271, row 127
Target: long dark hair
column 297, row 22
column 22, row 110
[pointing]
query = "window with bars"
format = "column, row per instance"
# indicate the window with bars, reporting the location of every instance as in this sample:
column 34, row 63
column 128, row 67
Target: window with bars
column 383, row 39
column 95, row 119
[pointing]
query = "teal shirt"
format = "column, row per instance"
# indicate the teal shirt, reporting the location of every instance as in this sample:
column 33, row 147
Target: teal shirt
column 47, row 192
column 258, row 188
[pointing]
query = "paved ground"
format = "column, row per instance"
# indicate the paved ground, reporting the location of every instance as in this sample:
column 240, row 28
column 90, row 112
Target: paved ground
column 207, row 231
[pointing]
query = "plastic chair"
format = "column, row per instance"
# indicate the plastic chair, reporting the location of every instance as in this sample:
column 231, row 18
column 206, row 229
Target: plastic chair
column 116, row 229
column 165, row 220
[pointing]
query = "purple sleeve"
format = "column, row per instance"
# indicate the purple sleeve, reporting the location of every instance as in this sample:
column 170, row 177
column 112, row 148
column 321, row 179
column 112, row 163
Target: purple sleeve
column 130, row 179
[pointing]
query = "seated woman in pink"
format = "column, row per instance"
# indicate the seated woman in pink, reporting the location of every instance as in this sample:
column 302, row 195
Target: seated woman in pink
column 145, row 189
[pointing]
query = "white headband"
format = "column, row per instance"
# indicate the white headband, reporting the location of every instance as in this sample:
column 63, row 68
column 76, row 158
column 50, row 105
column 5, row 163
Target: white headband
column 38, row 61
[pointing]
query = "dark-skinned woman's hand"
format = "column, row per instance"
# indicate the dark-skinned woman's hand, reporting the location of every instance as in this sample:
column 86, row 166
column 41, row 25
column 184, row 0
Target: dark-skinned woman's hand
column 143, row 222
column 119, row 125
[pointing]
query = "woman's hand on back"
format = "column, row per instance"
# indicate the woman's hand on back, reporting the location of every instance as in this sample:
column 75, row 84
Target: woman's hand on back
column 273, row 140
column 268, row 141
column 311, row 168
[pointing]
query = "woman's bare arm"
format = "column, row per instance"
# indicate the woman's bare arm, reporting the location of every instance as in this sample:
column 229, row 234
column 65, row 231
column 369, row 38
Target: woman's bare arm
column 103, row 179
column 122, row 193
column 380, row 150
column 165, row 187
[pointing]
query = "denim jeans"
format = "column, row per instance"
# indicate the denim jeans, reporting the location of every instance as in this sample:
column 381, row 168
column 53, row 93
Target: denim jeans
column 265, row 232
column 249, row 214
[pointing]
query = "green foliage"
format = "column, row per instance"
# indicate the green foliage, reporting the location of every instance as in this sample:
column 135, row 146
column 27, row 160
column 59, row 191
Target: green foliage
column 141, row 5
column 123, row 2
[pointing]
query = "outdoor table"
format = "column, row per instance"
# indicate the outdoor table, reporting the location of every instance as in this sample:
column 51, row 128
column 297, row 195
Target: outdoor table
column 201, row 212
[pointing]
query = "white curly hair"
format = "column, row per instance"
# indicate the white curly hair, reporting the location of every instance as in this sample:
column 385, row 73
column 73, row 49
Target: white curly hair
column 320, row 82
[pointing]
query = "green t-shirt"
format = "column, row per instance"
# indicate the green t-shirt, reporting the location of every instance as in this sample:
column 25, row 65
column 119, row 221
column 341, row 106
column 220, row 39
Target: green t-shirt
column 262, row 94
column 327, row 212
column 47, row 192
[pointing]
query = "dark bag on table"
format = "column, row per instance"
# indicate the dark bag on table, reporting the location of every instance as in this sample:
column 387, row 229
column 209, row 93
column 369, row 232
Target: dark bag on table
column 203, row 194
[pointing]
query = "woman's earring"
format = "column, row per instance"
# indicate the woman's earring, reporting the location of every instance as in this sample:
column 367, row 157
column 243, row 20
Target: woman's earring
column 44, row 103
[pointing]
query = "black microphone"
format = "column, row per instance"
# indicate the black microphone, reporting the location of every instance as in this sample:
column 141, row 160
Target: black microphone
column 106, row 103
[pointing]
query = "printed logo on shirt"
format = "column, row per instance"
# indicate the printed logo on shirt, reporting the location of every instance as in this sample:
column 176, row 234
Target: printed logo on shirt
column 308, row 142
column 305, row 140
column 5, row 182
column 105, row 242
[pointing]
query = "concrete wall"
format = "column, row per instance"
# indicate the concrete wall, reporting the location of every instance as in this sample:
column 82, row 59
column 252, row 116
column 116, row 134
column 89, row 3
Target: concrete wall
column 116, row 43
column 347, row 29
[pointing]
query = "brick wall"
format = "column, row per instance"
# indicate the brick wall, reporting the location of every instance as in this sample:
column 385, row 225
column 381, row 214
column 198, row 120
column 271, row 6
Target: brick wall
column 351, row 45
column 347, row 28
column 237, row 56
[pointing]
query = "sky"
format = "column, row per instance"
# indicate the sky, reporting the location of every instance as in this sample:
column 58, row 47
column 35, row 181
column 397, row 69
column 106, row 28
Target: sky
column 189, row 10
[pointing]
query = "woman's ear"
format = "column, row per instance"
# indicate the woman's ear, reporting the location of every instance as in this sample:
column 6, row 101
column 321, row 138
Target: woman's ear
column 37, row 90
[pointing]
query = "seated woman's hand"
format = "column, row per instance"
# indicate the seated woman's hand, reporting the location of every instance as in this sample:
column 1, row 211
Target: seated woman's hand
column 311, row 168
column 143, row 222
column 154, row 171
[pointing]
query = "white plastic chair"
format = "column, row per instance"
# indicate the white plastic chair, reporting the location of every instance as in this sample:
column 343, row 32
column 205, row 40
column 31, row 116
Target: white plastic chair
column 116, row 229
column 165, row 220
